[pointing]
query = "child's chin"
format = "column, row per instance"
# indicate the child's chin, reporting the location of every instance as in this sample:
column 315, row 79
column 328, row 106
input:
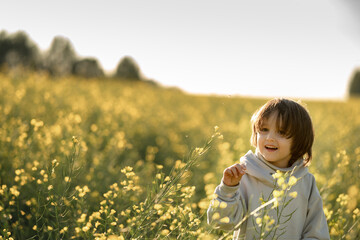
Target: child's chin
column 269, row 159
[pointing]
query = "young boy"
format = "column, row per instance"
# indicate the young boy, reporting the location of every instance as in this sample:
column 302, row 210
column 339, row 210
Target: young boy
column 283, row 135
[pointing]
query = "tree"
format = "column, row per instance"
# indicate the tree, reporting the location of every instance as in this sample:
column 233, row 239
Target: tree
column 354, row 89
column 18, row 50
column 87, row 68
column 128, row 68
column 60, row 58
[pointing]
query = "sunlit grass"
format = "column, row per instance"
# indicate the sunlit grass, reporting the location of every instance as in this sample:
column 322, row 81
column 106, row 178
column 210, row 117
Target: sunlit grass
column 106, row 159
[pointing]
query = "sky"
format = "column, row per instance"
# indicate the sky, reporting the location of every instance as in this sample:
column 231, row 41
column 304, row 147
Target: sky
column 257, row 48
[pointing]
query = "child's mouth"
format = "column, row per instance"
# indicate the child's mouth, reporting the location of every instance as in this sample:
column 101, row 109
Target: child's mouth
column 271, row 148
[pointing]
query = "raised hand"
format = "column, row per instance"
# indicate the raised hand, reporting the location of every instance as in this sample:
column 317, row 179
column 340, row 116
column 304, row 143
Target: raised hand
column 233, row 174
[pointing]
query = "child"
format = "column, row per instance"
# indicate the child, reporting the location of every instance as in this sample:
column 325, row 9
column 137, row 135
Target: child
column 283, row 135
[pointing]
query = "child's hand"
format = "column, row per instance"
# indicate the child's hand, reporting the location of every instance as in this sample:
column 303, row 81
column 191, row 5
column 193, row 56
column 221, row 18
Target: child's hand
column 232, row 175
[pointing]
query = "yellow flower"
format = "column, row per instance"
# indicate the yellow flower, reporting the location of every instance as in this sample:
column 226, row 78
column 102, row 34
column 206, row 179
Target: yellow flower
column 293, row 194
column 276, row 203
column 114, row 237
column 199, row 150
column 159, row 166
column 62, row 231
column 216, row 203
column 165, row 232
column 14, row 191
column 292, row 181
column 157, row 206
column 328, row 213
column 277, row 193
column 82, row 218
column 97, row 224
column 17, row 178
column 216, row 216
column 203, row 204
column 278, row 174
column 93, row 127
column 280, row 181
column 85, row 228
column 225, row 220
column 356, row 213
column 223, row 205
column 74, row 139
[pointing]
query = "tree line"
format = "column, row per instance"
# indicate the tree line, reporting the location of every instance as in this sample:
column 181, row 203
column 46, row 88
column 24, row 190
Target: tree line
column 354, row 87
column 60, row 59
column 18, row 50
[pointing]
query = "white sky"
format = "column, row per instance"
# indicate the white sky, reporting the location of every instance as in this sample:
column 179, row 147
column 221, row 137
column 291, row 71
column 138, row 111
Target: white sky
column 293, row 48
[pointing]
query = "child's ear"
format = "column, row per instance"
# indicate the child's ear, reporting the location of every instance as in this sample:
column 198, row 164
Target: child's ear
column 253, row 139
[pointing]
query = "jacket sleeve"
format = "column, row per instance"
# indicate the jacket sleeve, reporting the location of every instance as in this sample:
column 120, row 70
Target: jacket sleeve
column 227, row 209
column 315, row 225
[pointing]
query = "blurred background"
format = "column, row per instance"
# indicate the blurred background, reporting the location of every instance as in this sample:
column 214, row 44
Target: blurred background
column 302, row 49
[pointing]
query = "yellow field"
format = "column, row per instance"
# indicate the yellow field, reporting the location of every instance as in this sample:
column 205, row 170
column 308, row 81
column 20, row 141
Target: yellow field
column 97, row 159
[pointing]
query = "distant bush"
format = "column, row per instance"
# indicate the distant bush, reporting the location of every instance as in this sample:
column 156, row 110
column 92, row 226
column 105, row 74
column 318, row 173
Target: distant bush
column 18, row 50
column 87, row 68
column 128, row 68
column 354, row 89
column 60, row 58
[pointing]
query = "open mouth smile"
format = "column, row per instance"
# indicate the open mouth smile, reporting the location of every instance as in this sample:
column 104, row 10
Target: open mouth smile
column 271, row 148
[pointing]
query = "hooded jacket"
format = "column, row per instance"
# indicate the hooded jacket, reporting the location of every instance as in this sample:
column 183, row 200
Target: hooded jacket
column 234, row 203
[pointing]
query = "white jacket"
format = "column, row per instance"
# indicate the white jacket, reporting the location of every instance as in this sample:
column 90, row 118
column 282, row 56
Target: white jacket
column 307, row 222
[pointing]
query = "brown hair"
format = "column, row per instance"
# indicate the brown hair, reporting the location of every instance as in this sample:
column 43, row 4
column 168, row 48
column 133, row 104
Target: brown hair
column 292, row 119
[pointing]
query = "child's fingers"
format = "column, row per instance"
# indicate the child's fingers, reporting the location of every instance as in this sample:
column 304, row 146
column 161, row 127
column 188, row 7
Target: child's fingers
column 243, row 166
column 234, row 172
column 240, row 168
column 231, row 172
column 228, row 172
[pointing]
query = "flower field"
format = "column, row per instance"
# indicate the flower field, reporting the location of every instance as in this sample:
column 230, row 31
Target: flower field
column 107, row 159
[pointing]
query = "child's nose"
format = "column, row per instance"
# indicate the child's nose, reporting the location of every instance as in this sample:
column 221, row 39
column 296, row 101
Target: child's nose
column 270, row 136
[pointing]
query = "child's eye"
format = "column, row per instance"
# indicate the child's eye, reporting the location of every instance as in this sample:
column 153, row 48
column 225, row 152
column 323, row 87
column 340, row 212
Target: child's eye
column 282, row 133
column 263, row 129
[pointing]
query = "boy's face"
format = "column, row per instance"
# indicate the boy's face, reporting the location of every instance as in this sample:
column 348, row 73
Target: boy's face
column 272, row 144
